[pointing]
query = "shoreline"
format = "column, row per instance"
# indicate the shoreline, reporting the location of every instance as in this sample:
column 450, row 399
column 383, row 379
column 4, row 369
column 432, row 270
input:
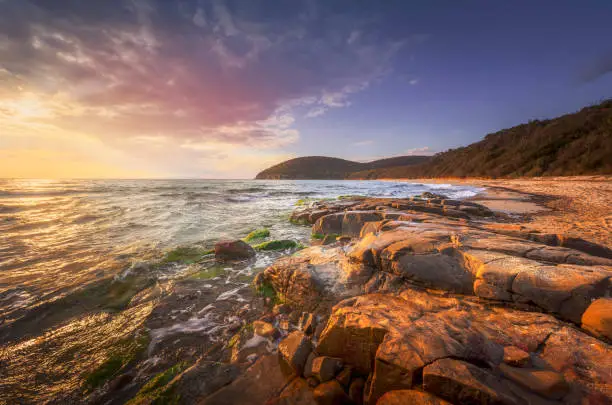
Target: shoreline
column 470, row 274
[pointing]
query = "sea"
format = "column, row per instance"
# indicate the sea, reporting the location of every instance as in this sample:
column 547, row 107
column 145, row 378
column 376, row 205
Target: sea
column 57, row 237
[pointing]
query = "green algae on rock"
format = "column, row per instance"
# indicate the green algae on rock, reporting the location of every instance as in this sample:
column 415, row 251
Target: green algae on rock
column 257, row 235
column 186, row 255
column 277, row 245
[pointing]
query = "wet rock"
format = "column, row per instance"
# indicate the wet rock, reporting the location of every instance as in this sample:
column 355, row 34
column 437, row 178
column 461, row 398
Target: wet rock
column 353, row 221
column 516, row 357
column 297, row 392
column 221, row 384
column 597, row 319
column 266, row 330
column 307, row 323
column 328, row 239
column 294, row 350
column 312, row 382
column 546, row 383
column 464, row 383
column 308, row 365
column 282, row 309
column 320, row 328
column 325, row 368
column 356, row 391
column 120, row 382
column 233, row 250
column 331, row 393
column 410, row 397
column 344, row 377
column 329, row 224
column 316, row 214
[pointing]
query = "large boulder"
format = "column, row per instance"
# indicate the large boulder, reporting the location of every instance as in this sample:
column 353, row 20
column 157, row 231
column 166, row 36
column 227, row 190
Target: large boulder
column 393, row 336
column 597, row 319
column 461, row 382
column 294, row 351
column 233, row 250
column 410, row 397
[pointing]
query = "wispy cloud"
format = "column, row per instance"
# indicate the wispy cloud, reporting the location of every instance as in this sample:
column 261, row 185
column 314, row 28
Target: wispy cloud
column 189, row 72
column 425, row 150
column 366, row 142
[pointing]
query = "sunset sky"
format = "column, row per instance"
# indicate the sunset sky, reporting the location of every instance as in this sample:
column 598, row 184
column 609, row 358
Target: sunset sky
column 223, row 89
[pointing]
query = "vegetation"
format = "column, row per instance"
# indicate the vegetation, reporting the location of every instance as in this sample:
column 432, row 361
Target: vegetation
column 257, row 234
column 157, row 391
column 186, row 255
column 209, row 273
column 570, row 145
column 277, row 245
column 320, row 167
column 124, row 353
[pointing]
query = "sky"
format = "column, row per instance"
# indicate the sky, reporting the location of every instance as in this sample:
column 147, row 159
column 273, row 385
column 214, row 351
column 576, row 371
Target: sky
column 226, row 88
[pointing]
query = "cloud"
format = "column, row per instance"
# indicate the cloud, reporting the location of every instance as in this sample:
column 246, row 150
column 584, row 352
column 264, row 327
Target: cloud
column 413, row 81
column 194, row 72
column 366, row 142
column 425, row 150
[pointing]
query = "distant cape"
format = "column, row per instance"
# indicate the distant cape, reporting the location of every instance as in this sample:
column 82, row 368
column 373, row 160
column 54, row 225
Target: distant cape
column 570, row 145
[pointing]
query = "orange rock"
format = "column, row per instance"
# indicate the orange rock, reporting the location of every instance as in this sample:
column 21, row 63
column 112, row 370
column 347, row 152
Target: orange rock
column 597, row 319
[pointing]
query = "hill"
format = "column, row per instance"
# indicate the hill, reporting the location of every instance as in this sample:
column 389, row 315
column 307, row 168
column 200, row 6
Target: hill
column 328, row 168
column 570, row 145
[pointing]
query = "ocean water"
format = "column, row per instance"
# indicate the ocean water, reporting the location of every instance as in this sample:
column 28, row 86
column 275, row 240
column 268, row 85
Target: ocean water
column 59, row 237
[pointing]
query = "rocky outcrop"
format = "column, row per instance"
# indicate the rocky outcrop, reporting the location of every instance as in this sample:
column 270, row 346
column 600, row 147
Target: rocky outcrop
column 428, row 301
column 233, row 250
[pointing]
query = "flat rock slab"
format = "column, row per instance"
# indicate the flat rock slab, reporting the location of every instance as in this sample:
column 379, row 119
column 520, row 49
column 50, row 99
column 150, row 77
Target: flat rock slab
column 395, row 336
column 264, row 380
column 410, row 397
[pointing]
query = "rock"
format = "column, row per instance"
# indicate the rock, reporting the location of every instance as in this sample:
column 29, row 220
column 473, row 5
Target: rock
column 282, row 309
column 308, row 365
column 463, row 383
column 266, row 330
column 331, row 393
column 344, row 377
column 204, row 378
column 329, row 224
column 264, row 380
column 315, row 215
column 312, row 382
column 356, row 391
column 320, row 328
column 546, row 383
column 429, row 262
column 297, row 392
column 294, row 350
column 307, row 323
column 325, row 368
column 584, row 362
column 329, row 239
column 564, row 289
column 120, row 382
column 233, row 250
column 353, row 221
column 516, row 357
column 597, row 319
column 410, row 397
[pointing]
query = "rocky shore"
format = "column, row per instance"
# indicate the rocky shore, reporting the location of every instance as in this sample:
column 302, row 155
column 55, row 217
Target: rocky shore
column 428, row 300
column 423, row 300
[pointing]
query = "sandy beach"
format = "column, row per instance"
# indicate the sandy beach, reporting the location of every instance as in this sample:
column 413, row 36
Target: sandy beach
column 575, row 206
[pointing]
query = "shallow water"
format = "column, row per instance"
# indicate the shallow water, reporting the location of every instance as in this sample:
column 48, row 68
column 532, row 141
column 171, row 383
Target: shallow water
column 58, row 237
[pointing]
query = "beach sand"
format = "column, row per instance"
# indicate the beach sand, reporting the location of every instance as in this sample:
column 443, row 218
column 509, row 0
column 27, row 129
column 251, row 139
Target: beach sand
column 575, row 206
